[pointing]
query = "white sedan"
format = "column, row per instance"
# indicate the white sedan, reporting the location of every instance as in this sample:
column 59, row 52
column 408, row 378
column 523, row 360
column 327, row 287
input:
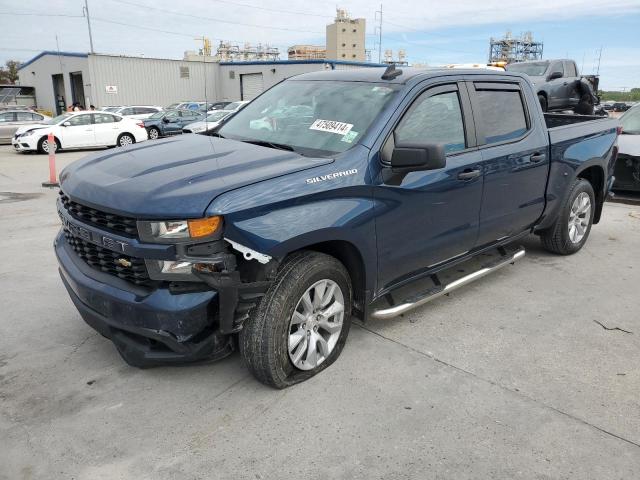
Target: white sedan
column 83, row 129
column 212, row 121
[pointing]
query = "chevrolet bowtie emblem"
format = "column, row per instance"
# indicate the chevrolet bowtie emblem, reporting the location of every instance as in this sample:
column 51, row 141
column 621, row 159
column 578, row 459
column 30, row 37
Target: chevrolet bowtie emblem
column 123, row 262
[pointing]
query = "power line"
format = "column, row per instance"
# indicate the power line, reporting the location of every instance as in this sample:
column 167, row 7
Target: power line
column 21, row 14
column 217, row 20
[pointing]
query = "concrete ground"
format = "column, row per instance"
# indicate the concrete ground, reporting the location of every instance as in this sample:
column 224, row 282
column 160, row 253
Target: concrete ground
column 529, row 373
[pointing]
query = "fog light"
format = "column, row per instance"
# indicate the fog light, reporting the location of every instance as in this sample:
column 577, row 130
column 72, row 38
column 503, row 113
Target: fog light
column 176, row 267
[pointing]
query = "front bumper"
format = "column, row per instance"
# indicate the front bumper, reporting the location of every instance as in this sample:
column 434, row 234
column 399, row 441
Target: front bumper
column 21, row 144
column 148, row 326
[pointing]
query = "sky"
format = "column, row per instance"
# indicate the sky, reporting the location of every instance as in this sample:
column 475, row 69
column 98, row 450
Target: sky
column 431, row 32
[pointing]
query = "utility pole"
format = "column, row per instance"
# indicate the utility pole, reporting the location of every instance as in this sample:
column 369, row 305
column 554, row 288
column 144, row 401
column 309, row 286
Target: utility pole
column 85, row 10
column 380, row 37
column 599, row 58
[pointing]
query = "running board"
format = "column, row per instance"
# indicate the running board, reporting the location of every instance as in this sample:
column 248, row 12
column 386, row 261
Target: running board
column 435, row 292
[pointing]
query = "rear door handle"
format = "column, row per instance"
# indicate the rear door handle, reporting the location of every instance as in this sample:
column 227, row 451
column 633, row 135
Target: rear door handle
column 537, row 157
column 468, row 174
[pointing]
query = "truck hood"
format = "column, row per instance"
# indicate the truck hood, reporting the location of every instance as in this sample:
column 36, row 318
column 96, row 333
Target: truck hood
column 176, row 177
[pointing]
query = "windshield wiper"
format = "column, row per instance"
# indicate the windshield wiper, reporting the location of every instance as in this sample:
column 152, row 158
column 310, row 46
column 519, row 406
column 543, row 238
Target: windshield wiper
column 264, row 143
column 216, row 134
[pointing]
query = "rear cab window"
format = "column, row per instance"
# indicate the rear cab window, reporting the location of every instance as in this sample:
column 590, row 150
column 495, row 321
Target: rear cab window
column 500, row 112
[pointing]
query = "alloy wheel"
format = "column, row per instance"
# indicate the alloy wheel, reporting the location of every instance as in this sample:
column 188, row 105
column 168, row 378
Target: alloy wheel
column 579, row 217
column 316, row 323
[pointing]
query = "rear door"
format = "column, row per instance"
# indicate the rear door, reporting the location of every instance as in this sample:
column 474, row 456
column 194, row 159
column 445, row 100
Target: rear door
column 106, row 127
column 80, row 132
column 430, row 216
column 515, row 163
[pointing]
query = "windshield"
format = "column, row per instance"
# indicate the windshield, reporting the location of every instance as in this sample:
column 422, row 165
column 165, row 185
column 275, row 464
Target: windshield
column 631, row 121
column 533, row 69
column 111, row 109
column 219, row 115
column 58, row 119
column 158, row 114
column 233, row 105
column 309, row 116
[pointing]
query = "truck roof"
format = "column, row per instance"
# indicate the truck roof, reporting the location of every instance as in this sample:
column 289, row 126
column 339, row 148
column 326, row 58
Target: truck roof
column 374, row 74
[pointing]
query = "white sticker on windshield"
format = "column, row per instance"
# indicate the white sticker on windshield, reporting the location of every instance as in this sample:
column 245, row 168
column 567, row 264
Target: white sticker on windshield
column 349, row 137
column 331, row 126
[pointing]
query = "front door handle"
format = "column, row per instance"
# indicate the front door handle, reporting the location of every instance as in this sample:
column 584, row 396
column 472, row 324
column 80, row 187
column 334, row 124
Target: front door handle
column 537, row 157
column 468, row 174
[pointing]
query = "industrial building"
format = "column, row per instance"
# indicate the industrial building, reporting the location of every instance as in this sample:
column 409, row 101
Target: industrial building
column 62, row 78
column 346, row 38
column 514, row 49
column 306, row 52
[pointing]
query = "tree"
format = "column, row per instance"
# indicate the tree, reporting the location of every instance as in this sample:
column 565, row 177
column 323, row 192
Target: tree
column 9, row 73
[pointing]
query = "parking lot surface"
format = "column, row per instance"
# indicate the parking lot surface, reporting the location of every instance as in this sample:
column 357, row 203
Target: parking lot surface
column 529, row 373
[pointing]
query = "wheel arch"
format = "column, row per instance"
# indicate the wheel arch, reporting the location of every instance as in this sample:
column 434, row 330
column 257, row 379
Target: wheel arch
column 133, row 137
column 595, row 175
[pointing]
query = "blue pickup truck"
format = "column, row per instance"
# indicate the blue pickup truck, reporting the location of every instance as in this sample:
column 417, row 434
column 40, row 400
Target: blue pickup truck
column 269, row 240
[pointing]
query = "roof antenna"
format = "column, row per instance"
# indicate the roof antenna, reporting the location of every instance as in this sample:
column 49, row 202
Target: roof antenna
column 391, row 72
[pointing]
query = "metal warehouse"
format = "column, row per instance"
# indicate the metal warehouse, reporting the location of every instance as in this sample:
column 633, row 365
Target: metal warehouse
column 63, row 78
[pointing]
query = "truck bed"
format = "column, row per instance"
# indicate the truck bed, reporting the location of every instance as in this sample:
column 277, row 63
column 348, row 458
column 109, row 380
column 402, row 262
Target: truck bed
column 563, row 127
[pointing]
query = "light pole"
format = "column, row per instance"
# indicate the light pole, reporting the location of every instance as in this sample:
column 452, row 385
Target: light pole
column 86, row 13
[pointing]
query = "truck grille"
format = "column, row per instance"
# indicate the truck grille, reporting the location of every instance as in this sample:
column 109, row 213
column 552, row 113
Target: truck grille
column 110, row 262
column 97, row 218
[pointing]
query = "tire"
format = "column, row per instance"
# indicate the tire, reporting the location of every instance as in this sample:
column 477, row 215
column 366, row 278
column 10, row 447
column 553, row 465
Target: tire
column 43, row 145
column 125, row 139
column 154, row 133
column 561, row 238
column 282, row 318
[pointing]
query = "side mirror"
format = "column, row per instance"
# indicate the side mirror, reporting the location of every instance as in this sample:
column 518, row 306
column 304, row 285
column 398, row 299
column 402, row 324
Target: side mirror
column 165, row 120
column 66, row 124
column 411, row 157
column 555, row 75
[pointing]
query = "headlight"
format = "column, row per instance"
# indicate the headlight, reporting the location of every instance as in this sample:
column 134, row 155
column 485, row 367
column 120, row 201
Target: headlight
column 169, row 231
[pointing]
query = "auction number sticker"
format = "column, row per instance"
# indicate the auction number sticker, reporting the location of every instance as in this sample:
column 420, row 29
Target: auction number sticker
column 331, row 126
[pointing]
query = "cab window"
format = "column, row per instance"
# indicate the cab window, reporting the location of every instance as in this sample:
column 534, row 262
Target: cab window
column 501, row 113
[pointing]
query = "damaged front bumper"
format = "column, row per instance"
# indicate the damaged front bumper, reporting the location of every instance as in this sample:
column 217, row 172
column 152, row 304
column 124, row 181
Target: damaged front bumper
column 169, row 323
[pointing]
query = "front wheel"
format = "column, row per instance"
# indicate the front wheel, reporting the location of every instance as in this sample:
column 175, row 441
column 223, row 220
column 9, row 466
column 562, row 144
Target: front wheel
column 301, row 324
column 44, row 147
column 573, row 225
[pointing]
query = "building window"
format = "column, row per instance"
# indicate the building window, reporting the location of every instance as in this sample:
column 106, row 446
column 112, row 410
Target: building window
column 354, row 45
column 354, row 55
column 184, row 72
column 344, row 44
column 344, row 29
column 343, row 55
column 354, row 30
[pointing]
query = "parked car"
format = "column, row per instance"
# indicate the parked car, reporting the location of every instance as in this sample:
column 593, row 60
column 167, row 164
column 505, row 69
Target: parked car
column 5, row 107
column 209, row 107
column 620, row 107
column 272, row 240
column 235, row 106
column 80, row 130
column 559, row 85
column 139, row 112
column 209, row 123
column 627, row 170
column 170, row 122
column 195, row 106
column 11, row 120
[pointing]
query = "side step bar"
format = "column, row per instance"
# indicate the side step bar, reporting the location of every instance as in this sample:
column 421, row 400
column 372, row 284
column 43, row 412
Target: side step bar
column 435, row 292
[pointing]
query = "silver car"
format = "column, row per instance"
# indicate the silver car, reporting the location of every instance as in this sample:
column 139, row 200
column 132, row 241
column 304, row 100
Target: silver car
column 11, row 120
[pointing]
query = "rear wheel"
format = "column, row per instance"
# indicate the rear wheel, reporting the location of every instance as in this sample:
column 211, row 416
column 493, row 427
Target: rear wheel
column 573, row 225
column 125, row 139
column 301, row 324
column 44, row 147
column 154, row 133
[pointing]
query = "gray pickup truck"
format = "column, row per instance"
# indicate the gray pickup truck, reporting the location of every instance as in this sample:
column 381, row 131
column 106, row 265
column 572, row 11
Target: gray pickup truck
column 559, row 85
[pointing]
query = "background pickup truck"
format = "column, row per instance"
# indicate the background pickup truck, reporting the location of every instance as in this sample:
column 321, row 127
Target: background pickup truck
column 271, row 239
column 559, row 86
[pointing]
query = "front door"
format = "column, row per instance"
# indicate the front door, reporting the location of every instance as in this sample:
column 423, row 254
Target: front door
column 425, row 218
column 80, row 132
column 514, row 147
column 557, row 86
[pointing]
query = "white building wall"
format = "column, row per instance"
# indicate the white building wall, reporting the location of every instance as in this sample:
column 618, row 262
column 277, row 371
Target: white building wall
column 150, row 81
column 39, row 74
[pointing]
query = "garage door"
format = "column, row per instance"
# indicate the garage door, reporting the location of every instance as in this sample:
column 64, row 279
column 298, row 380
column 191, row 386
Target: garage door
column 251, row 85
